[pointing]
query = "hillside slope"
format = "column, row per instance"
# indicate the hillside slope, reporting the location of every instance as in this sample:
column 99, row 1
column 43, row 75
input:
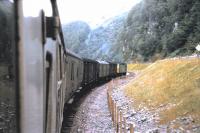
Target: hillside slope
column 137, row 67
column 101, row 41
column 75, row 35
column 155, row 29
column 170, row 84
column 96, row 43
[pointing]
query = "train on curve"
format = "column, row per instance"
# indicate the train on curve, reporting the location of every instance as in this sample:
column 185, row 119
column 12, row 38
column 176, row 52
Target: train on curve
column 37, row 73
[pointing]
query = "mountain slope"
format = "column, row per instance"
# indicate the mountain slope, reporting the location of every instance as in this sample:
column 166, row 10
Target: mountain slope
column 102, row 40
column 159, row 28
column 75, row 34
column 98, row 43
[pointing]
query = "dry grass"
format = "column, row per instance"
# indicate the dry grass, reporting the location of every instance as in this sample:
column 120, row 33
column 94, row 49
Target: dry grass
column 136, row 67
column 168, row 82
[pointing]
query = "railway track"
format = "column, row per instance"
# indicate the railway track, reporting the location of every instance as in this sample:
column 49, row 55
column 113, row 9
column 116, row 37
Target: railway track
column 69, row 114
column 71, row 109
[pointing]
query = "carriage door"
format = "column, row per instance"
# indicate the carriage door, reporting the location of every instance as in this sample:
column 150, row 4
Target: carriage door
column 31, row 66
column 59, row 90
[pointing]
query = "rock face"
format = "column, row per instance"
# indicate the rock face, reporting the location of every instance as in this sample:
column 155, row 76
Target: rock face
column 98, row 43
column 75, row 35
column 103, row 40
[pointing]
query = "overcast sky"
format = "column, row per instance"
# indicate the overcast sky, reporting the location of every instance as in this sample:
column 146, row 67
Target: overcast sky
column 93, row 11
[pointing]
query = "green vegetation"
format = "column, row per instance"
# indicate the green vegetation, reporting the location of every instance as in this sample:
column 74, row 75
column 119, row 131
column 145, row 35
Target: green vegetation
column 75, row 35
column 172, row 84
column 98, row 43
column 156, row 29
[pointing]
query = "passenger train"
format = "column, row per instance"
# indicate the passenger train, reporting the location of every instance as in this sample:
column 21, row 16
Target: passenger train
column 37, row 73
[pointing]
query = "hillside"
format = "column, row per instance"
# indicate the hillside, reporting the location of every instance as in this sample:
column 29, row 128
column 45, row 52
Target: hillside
column 75, row 35
column 96, row 43
column 155, row 29
column 169, row 87
column 102, row 40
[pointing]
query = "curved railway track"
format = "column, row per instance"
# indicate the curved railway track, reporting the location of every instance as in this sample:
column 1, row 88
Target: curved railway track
column 71, row 109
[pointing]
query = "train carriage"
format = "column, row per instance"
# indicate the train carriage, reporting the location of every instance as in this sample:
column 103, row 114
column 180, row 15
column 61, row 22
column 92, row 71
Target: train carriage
column 74, row 71
column 39, row 77
column 54, row 84
column 103, row 70
column 112, row 69
column 90, row 71
column 121, row 69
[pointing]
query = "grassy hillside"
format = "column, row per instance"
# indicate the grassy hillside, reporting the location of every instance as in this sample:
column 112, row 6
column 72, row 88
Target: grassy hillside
column 171, row 83
column 136, row 67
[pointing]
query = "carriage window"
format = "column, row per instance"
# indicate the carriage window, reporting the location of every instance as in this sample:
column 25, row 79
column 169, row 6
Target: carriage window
column 58, row 63
column 7, row 68
column 48, row 65
column 60, row 56
column 72, row 71
column 77, row 72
